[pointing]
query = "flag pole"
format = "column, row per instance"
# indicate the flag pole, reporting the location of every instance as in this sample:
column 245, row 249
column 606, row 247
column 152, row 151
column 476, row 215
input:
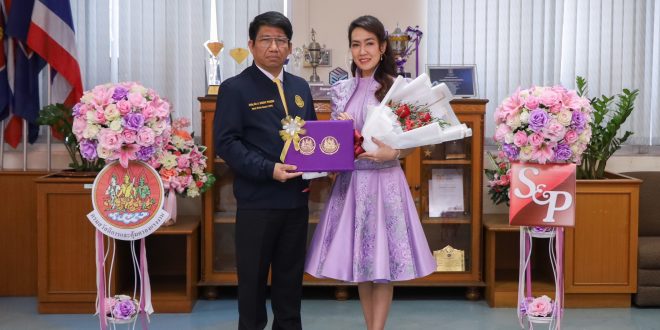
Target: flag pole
column 2, row 145
column 25, row 140
column 48, row 131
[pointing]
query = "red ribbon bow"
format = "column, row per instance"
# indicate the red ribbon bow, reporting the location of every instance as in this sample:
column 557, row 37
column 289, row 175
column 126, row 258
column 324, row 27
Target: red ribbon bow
column 357, row 143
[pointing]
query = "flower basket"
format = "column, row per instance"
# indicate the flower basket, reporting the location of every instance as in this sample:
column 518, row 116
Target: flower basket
column 121, row 309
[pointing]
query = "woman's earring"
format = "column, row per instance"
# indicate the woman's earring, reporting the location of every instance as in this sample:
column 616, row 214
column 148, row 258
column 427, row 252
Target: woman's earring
column 381, row 57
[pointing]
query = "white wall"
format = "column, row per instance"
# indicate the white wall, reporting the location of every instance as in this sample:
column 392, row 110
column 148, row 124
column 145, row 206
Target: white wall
column 330, row 20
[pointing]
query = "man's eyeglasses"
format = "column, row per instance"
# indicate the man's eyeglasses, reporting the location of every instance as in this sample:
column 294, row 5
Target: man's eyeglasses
column 267, row 41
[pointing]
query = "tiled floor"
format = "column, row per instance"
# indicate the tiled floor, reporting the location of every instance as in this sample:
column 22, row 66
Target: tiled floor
column 320, row 312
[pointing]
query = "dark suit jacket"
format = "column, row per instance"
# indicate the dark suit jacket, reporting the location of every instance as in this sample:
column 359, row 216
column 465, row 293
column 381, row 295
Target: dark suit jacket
column 246, row 129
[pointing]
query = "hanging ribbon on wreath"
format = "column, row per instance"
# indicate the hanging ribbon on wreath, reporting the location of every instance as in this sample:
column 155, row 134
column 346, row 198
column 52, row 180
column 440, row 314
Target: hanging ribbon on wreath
column 128, row 206
column 542, row 203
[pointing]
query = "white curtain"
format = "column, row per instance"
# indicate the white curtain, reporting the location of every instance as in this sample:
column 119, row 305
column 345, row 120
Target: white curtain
column 159, row 43
column 615, row 44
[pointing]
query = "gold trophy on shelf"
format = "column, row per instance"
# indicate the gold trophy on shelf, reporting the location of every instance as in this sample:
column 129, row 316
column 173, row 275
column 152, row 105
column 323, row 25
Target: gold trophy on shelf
column 213, row 73
column 313, row 53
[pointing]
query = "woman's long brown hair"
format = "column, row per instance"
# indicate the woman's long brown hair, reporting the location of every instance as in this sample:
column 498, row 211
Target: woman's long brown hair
column 386, row 70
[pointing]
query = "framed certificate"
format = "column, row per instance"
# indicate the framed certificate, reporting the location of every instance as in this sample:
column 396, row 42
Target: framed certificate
column 461, row 79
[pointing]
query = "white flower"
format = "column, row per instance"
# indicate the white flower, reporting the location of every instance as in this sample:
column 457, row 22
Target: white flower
column 91, row 131
column 192, row 191
column 168, row 160
column 514, row 122
column 508, row 138
column 91, row 117
column 115, row 125
column 111, row 112
column 103, row 152
column 524, row 117
column 564, row 117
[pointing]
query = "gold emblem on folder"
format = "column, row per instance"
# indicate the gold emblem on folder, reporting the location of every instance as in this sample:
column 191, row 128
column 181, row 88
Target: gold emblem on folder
column 299, row 101
column 307, row 145
column 329, row 145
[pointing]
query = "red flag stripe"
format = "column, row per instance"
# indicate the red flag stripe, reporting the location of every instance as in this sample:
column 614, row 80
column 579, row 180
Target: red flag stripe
column 58, row 57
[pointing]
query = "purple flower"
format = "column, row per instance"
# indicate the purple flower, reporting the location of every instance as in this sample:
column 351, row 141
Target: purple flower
column 563, row 152
column 145, row 153
column 124, row 309
column 76, row 109
column 88, row 149
column 511, row 151
column 120, row 93
column 579, row 121
column 133, row 121
column 538, row 119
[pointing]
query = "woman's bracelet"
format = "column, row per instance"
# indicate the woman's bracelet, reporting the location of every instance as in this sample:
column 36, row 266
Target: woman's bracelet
column 398, row 154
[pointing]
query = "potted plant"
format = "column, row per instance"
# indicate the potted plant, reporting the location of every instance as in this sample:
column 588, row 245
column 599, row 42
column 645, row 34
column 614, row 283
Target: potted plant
column 607, row 121
column 60, row 118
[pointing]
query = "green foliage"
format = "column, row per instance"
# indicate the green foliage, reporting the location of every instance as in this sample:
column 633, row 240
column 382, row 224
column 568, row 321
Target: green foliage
column 604, row 129
column 59, row 118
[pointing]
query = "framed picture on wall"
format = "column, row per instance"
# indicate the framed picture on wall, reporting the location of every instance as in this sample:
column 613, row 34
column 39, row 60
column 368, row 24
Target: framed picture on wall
column 461, row 79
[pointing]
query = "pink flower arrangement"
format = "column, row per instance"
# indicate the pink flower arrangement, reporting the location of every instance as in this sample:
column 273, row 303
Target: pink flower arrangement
column 121, row 308
column 123, row 121
column 540, row 306
column 543, row 124
column 499, row 178
column 181, row 164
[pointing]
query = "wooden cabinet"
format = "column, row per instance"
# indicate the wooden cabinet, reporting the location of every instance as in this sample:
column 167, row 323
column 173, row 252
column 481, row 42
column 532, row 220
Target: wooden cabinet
column 461, row 229
column 66, row 254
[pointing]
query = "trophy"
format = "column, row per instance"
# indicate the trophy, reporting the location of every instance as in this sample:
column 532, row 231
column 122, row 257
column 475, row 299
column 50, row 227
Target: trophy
column 213, row 77
column 313, row 56
column 403, row 44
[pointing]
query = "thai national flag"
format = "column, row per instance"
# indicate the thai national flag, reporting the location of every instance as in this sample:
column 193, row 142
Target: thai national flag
column 5, row 92
column 41, row 30
column 52, row 36
column 26, row 67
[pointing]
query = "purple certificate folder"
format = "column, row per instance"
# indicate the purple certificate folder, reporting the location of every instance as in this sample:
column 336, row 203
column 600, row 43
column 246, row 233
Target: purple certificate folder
column 326, row 146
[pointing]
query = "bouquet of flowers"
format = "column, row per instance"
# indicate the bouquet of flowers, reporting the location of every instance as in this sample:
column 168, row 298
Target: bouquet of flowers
column 121, row 309
column 181, row 166
column 544, row 124
column 182, row 163
column 123, row 121
column 499, row 179
column 413, row 114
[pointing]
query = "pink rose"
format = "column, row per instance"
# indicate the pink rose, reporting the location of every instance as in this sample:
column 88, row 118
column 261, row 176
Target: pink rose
column 535, row 140
column 129, row 135
column 541, row 306
column 109, row 139
column 532, row 102
column 162, row 107
column 124, row 107
column 501, row 132
column 549, row 98
column 79, row 125
column 101, row 96
column 520, row 139
column 145, row 137
column 571, row 136
column 183, row 161
column 554, row 131
column 137, row 100
column 100, row 116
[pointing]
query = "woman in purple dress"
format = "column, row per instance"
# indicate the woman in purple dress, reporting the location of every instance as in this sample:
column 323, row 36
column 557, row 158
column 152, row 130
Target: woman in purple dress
column 369, row 232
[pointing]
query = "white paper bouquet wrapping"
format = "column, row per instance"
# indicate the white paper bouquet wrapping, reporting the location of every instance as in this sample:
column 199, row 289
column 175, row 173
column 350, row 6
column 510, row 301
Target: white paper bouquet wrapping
column 412, row 114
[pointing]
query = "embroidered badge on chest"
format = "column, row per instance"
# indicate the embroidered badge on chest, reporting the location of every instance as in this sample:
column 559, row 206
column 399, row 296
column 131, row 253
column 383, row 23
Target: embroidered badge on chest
column 299, row 101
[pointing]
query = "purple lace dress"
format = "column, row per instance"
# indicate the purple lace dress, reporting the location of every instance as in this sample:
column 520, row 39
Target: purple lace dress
column 369, row 230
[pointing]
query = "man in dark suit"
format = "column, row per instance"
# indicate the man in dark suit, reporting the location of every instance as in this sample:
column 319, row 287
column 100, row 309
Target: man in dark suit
column 272, row 214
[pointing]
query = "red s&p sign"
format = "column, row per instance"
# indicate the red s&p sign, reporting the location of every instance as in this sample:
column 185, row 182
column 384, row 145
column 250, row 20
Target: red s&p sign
column 542, row 195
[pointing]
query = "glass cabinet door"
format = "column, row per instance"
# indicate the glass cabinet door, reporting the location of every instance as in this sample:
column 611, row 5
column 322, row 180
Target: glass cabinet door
column 445, row 206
